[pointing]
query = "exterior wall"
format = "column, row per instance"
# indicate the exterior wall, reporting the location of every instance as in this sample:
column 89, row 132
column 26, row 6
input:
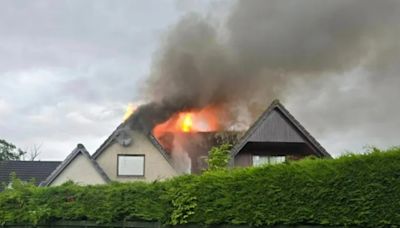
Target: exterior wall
column 80, row 171
column 243, row 160
column 156, row 166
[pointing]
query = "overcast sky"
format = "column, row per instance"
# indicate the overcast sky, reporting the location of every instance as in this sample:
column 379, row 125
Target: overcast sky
column 69, row 68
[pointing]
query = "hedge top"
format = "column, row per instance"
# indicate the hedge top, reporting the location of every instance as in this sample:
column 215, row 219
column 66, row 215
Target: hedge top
column 353, row 190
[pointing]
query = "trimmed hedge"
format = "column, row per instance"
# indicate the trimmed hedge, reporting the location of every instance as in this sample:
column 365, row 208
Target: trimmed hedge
column 360, row 190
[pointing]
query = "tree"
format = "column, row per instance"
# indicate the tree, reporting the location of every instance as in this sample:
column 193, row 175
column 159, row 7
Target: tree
column 33, row 153
column 9, row 151
column 218, row 157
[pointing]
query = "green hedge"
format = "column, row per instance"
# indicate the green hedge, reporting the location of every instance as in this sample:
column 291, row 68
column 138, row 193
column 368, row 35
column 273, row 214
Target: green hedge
column 362, row 190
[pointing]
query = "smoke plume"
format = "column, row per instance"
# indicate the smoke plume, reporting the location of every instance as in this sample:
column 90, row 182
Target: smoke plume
column 263, row 46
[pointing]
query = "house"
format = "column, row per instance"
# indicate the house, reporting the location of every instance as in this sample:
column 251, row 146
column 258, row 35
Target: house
column 78, row 167
column 36, row 171
column 275, row 137
column 140, row 159
column 132, row 152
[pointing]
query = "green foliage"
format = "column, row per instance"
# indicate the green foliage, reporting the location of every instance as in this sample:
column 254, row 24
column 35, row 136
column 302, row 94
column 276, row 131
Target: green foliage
column 8, row 151
column 218, row 157
column 183, row 205
column 353, row 190
column 102, row 203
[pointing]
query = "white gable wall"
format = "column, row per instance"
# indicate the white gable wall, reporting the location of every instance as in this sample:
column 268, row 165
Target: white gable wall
column 81, row 171
column 156, row 166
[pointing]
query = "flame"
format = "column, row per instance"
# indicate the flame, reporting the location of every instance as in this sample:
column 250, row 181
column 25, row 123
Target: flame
column 187, row 122
column 203, row 120
column 130, row 109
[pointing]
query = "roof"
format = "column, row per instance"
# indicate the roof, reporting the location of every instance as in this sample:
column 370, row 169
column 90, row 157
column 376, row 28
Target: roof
column 302, row 135
column 142, row 122
column 136, row 122
column 80, row 149
column 27, row 170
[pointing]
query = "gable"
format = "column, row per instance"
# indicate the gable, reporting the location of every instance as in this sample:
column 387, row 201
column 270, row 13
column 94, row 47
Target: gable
column 79, row 167
column 157, row 165
column 276, row 128
column 81, row 171
column 126, row 134
column 276, row 124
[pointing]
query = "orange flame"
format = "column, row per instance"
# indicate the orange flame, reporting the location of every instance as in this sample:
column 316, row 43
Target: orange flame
column 204, row 120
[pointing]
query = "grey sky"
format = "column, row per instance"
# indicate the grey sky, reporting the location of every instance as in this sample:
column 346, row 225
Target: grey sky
column 69, row 68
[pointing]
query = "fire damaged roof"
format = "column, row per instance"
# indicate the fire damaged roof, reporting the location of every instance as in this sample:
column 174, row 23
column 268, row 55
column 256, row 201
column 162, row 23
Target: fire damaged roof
column 27, row 170
column 297, row 133
column 80, row 149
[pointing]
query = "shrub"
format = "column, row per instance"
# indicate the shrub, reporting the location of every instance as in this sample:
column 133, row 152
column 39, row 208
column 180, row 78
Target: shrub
column 218, row 157
column 353, row 190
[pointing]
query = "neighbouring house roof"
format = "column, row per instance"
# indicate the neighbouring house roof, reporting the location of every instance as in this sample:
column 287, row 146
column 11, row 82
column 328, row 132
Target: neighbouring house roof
column 295, row 132
column 79, row 150
column 134, row 122
column 27, row 170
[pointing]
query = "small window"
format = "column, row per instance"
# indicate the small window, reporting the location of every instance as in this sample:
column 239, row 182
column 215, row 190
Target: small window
column 130, row 165
column 261, row 160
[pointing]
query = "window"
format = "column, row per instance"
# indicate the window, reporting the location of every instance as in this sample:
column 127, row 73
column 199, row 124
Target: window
column 262, row 159
column 130, row 165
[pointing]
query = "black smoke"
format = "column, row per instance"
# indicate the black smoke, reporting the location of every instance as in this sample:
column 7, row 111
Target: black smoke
column 264, row 46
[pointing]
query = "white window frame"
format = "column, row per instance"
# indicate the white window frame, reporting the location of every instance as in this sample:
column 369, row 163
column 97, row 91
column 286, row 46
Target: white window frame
column 126, row 173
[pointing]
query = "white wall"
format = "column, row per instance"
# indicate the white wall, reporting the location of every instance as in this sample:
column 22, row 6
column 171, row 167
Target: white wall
column 80, row 171
column 156, row 166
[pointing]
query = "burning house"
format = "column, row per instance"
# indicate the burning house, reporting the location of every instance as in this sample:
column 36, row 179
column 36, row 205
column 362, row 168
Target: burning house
column 154, row 147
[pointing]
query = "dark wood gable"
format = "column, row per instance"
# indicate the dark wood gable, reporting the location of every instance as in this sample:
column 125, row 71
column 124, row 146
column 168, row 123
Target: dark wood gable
column 276, row 128
column 276, row 133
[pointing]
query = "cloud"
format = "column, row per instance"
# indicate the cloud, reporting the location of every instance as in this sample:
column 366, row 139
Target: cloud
column 349, row 111
column 68, row 69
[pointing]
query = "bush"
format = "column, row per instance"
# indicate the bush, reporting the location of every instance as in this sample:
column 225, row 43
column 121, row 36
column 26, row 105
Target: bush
column 218, row 157
column 101, row 203
column 354, row 190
